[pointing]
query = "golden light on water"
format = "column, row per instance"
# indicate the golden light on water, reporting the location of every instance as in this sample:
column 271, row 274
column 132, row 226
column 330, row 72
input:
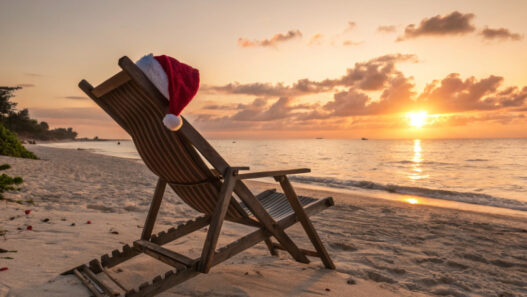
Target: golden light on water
column 412, row 201
column 417, row 119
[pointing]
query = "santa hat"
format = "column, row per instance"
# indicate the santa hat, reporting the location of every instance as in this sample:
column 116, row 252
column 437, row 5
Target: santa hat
column 178, row 82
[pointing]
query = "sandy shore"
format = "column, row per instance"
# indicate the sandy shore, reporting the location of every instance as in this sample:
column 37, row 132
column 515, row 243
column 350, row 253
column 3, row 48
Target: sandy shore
column 380, row 247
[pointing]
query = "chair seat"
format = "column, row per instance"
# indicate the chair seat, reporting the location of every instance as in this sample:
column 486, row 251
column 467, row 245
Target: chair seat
column 277, row 204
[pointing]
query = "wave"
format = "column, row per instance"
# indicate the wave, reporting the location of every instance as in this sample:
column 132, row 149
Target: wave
column 466, row 197
column 477, row 160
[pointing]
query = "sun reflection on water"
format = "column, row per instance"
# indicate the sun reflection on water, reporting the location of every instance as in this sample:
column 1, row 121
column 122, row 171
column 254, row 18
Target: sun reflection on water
column 417, row 160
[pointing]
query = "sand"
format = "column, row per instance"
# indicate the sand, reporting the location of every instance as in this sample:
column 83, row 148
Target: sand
column 380, row 247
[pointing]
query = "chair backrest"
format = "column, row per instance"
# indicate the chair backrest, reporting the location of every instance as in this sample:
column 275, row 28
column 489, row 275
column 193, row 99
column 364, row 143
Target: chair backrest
column 138, row 107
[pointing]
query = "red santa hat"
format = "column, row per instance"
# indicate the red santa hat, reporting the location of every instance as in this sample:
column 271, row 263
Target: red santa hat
column 177, row 81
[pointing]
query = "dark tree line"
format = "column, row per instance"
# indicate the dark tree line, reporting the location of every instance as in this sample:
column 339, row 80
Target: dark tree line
column 19, row 121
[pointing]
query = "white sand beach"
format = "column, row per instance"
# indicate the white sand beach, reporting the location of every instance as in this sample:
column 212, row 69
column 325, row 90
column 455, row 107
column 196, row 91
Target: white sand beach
column 380, row 247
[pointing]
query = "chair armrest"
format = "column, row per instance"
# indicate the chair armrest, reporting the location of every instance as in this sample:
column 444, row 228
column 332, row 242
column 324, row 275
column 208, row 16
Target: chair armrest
column 216, row 173
column 272, row 173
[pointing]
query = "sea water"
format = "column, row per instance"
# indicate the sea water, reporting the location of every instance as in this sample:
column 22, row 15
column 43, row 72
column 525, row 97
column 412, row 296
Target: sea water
column 490, row 172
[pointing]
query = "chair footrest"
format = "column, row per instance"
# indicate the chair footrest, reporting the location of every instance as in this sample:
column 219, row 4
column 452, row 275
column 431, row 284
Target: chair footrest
column 167, row 256
column 95, row 284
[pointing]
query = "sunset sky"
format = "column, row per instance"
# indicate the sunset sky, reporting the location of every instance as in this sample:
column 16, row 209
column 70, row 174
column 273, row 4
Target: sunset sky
column 283, row 69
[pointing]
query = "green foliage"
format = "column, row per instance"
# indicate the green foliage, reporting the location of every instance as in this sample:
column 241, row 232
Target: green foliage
column 5, row 105
column 23, row 125
column 8, row 183
column 10, row 146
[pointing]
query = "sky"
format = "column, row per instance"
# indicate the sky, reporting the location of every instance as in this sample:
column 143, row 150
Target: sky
column 283, row 69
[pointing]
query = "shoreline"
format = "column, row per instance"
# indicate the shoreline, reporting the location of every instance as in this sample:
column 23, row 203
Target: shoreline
column 371, row 193
column 387, row 248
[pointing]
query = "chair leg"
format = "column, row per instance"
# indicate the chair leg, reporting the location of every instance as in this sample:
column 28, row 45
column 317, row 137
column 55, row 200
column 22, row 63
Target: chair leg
column 222, row 205
column 154, row 209
column 268, row 222
column 270, row 247
column 305, row 221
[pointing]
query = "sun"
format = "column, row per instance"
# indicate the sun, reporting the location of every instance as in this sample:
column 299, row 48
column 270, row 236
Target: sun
column 417, row 119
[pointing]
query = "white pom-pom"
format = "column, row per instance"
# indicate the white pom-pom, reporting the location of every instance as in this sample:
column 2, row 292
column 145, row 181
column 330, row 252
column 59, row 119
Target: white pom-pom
column 173, row 122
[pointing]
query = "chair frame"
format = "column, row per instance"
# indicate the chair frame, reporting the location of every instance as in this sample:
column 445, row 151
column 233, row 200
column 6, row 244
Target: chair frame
column 232, row 183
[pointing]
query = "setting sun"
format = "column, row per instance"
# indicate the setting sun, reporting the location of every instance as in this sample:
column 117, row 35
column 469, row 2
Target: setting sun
column 417, row 119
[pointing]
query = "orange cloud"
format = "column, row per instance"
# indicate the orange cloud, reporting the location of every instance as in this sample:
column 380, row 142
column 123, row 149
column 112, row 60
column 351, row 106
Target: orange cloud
column 271, row 42
column 454, row 23
column 316, row 39
column 500, row 34
column 386, row 29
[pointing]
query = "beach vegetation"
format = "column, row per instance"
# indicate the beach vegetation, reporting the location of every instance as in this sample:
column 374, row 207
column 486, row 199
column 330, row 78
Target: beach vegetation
column 11, row 146
column 8, row 183
column 19, row 121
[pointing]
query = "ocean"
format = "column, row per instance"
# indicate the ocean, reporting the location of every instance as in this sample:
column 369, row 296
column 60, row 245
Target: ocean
column 478, row 172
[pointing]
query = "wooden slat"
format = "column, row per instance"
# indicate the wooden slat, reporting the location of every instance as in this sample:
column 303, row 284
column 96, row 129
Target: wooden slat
column 88, row 88
column 154, row 209
column 305, row 221
column 162, row 284
column 110, row 276
column 217, row 219
column 107, row 290
column 267, row 221
column 111, row 83
column 180, row 231
column 273, row 173
column 87, row 284
column 170, row 257
column 250, row 240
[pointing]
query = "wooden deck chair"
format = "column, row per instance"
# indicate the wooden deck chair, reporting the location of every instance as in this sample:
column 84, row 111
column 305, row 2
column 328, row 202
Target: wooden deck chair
column 138, row 107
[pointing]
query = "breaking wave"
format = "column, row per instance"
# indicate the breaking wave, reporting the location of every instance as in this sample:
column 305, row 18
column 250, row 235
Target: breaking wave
column 466, row 197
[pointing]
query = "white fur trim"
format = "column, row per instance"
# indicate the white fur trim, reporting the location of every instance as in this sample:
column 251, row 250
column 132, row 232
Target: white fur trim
column 154, row 71
column 173, row 122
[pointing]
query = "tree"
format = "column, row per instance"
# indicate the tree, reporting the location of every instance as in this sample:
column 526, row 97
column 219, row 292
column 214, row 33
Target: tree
column 5, row 105
column 23, row 125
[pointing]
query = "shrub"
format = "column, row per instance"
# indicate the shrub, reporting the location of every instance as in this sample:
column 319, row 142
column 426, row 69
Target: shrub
column 8, row 183
column 11, row 146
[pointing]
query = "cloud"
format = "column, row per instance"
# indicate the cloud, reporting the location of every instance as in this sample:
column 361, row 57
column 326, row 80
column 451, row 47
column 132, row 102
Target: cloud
column 374, row 74
column 76, row 97
column 369, row 75
column 499, row 34
column 316, row 39
column 386, row 29
column 271, row 42
column 371, row 94
column 453, row 94
column 351, row 43
column 258, row 111
column 220, row 106
column 351, row 26
column 455, row 23
column 26, row 85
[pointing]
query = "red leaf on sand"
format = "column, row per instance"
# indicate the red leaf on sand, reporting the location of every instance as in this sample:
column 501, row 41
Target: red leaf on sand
column 27, row 211
column 3, row 269
column 88, row 222
column 29, row 227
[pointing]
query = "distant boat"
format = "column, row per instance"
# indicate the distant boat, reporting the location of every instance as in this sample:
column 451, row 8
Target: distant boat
column 364, row 138
column 319, row 138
